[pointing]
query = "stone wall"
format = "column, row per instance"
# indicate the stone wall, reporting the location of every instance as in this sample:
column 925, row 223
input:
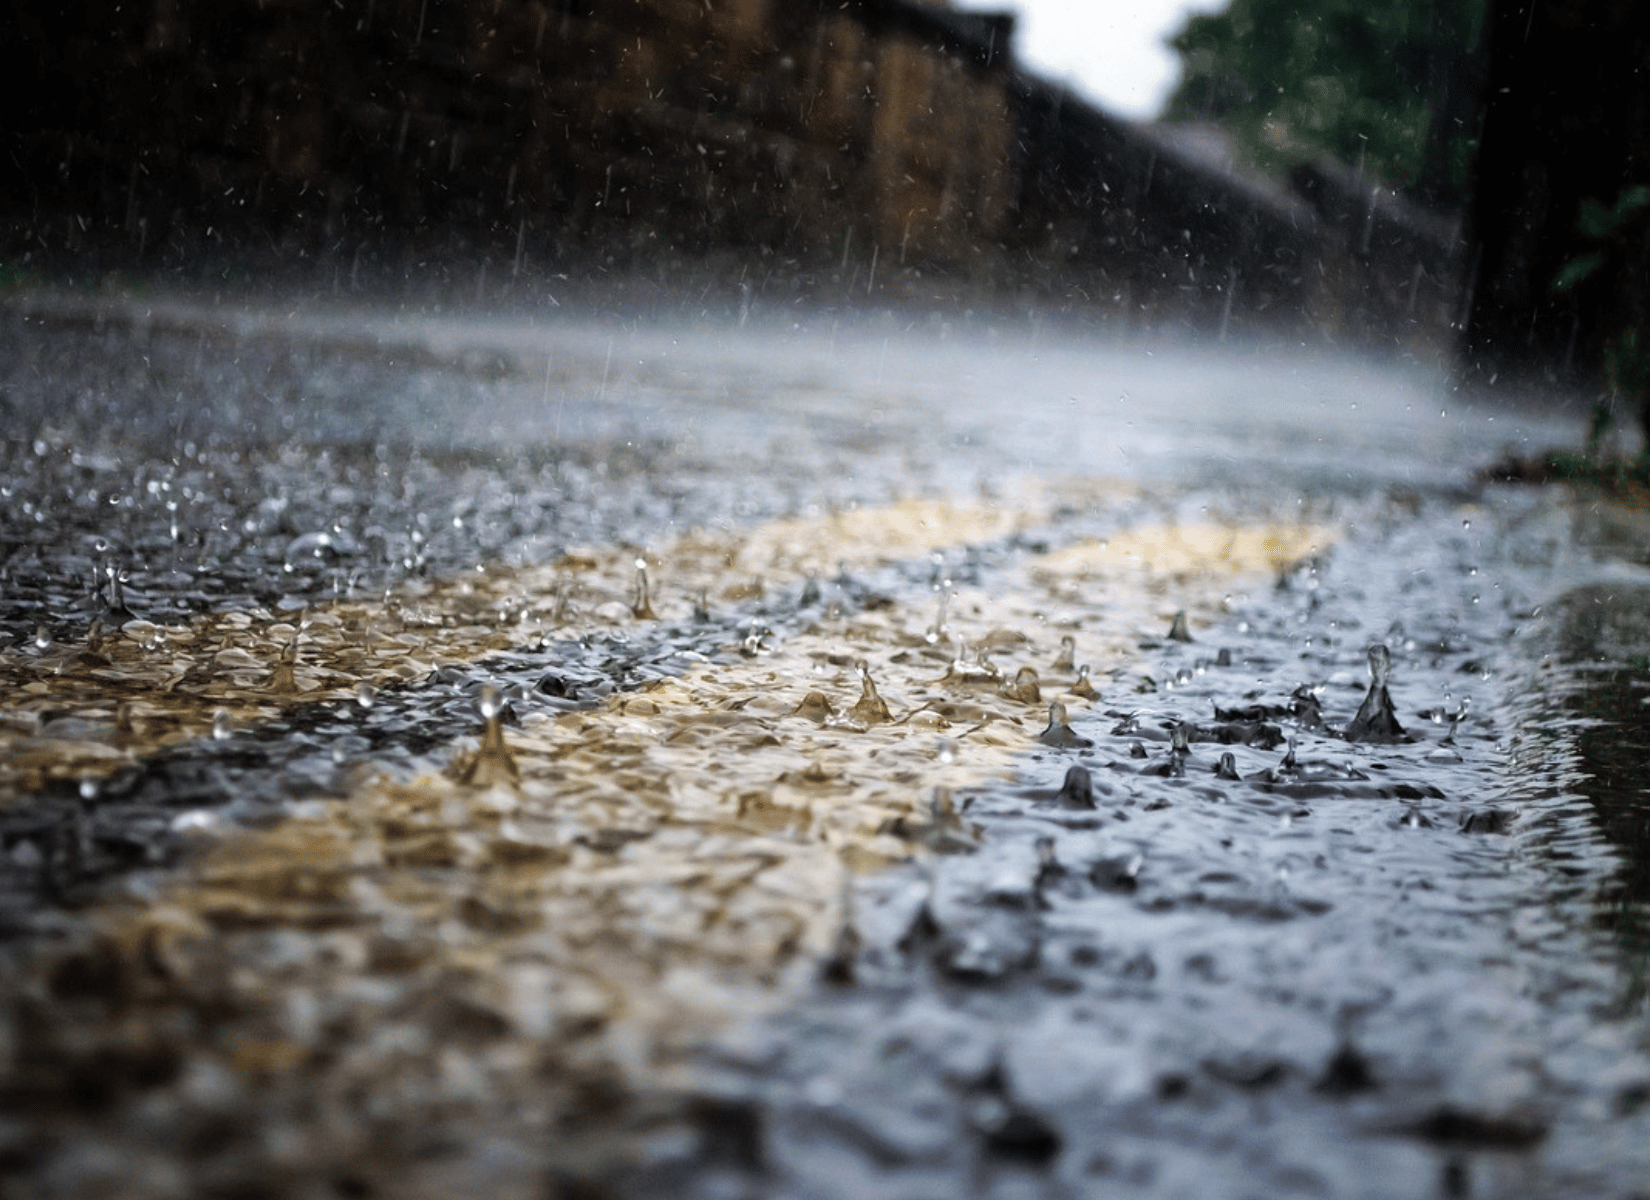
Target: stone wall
column 746, row 122
column 846, row 145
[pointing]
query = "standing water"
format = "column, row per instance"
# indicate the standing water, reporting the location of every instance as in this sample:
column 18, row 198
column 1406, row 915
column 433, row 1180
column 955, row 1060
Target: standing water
column 422, row 778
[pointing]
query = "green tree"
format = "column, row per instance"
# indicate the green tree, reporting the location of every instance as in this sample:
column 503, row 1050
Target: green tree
column 1388, row 86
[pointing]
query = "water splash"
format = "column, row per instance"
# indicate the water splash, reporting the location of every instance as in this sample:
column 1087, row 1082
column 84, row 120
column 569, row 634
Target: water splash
column 815, row 707
column 283, row 680
column 1077, row 789
column 641, row 604
column 870, row 708
column 1376, row 721
column 1083, row 686
column 1059, row 733
column 1025, row 687
column 492, row 765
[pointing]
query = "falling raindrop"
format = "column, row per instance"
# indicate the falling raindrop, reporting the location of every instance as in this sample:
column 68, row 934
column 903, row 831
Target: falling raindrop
column 222, row 725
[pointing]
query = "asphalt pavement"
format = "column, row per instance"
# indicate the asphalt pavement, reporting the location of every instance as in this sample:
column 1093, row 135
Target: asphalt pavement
column 802, row 755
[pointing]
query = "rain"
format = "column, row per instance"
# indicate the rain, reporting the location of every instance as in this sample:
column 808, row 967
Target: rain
column 702, row 601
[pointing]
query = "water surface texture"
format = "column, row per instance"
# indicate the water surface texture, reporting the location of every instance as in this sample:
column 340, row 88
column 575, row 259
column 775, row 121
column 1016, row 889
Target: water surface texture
column 819, row 758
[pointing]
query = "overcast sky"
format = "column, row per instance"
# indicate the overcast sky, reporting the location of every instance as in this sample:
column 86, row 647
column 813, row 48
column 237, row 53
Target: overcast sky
column 1111, row 51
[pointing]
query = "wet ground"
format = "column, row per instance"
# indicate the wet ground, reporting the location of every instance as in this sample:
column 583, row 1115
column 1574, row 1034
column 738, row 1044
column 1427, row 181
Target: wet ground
column 819, row 757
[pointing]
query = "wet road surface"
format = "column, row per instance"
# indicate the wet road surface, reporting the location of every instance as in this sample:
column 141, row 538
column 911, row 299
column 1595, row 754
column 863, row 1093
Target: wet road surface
column 827, row 757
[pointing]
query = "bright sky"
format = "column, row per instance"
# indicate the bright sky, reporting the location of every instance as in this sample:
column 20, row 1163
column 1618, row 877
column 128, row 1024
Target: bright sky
column 1110, row 51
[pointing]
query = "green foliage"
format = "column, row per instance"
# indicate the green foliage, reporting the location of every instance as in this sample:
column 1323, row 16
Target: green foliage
column 1359, row 80
column 1599, row 222
column 1578, row 270
column 1615, row 260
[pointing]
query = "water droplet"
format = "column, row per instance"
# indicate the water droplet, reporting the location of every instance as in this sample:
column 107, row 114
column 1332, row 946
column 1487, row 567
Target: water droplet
column 88, row 789
column 365, row 694
column 937, row 631
column 42, row 637
column 490, row 703
column 753, row 644
column 222, row 724
column 197, row 820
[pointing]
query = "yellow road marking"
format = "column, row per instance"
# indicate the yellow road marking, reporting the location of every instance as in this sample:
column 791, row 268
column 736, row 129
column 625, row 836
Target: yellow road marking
column 655, row 866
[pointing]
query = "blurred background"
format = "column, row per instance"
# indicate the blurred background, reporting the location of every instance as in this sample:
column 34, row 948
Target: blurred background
column 1461, row 179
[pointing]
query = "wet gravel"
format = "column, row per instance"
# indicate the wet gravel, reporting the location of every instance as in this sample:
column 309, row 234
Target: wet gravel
column 1295, row 952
